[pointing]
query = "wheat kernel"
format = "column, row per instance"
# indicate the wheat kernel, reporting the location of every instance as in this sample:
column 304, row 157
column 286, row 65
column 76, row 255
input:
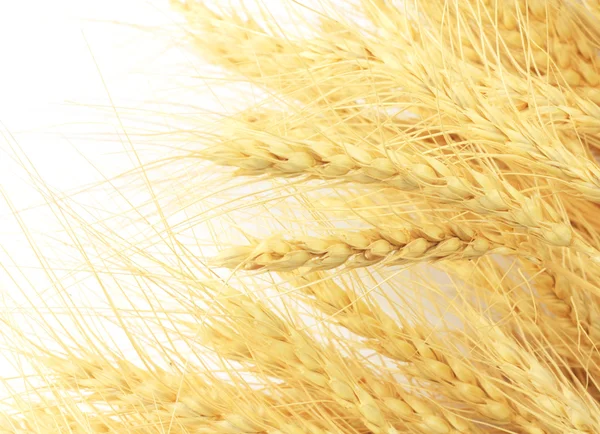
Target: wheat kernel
column 358, row 154
column 400, row 350
column 316, row 378
column 436, row 424
column 396, row 236
column 497, row 411
column 398, row 407
column 339, row 165
column 380, row 248
column 462, row 371
column 447, row 247
column 559, row 234
column 431, row 232
column 298, row 162
column 243, row 423
column 415, row 248
column 342, row 390
column 457, row 186
column 571, row 77
column 372, row 414
column 470, row 392
column 439, row 370
column 424, row 173
column 356, row 240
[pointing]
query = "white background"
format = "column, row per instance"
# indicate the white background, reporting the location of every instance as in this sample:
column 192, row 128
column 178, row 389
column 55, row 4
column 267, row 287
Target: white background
column 73, row 75
column 61, row 63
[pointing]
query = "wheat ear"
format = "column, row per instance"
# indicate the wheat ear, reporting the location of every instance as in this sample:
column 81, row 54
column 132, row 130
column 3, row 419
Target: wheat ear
column 357, row 249
column 532, row 34
column 479, row 120
column 192, row 402
column 261, row 339
column 546, row 309
column 421, row 358
column 566, row 407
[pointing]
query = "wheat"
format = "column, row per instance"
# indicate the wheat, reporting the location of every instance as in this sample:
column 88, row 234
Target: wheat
column 474, row 191
column 293, row 356
column 370, row 145
column 258, row 153
column 427, row 360
column 182, row 402
column 357, row 249
column 541, row 307
column 531, row 33
column 547, row 389
column 459, row 107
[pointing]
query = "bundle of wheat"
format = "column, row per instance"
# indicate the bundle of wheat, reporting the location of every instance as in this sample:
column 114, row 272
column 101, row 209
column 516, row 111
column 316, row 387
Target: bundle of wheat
column 398, row 234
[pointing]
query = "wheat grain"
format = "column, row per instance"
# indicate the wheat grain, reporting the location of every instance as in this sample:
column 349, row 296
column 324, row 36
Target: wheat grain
column 462, row 134
column 473, row 191
column 541, row 307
